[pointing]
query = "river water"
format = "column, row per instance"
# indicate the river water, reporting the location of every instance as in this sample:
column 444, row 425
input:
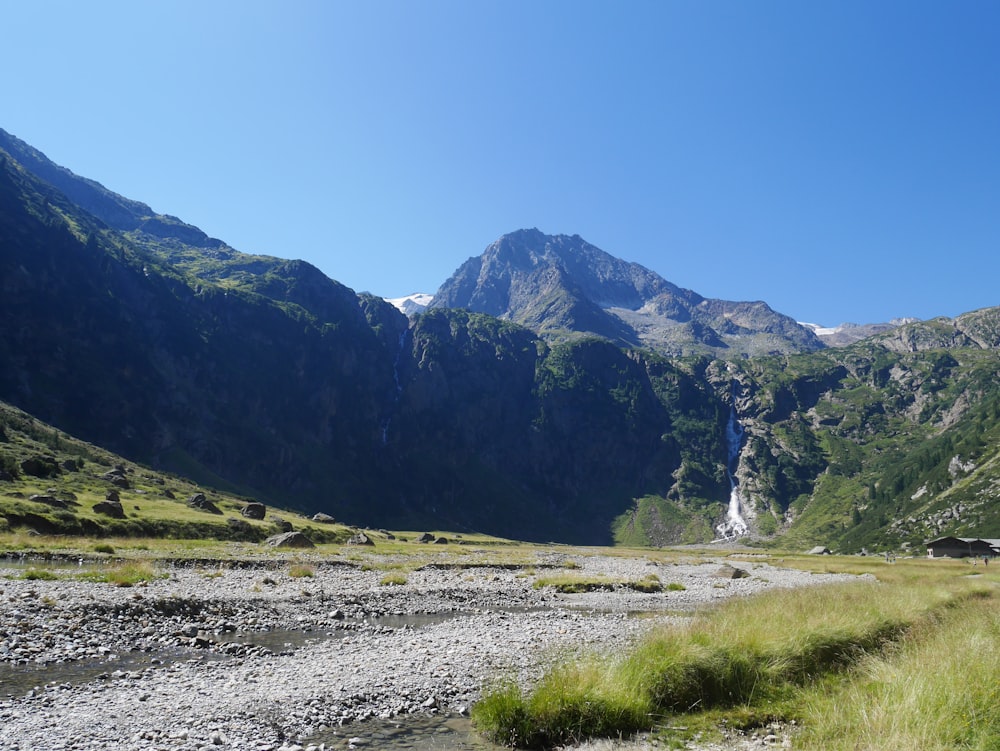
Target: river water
column 416, row 732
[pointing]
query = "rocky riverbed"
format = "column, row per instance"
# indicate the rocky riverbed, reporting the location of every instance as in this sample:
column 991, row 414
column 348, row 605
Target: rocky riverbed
column 275, row 654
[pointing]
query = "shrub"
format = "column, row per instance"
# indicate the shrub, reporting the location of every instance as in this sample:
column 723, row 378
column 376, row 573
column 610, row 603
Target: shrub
column 393, row 579
column 103, row 547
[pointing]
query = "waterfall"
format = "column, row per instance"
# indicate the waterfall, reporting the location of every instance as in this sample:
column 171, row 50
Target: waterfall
column 401, row 344
column 395, row 363
column 735, row 525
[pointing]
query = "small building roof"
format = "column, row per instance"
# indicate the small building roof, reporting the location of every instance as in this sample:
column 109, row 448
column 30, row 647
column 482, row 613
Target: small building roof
column 949, row 538
column 990, row 542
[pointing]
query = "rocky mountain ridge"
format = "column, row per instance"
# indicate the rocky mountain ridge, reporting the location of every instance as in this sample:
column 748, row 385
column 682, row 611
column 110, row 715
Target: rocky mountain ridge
column 559, row 286
column 848, row 333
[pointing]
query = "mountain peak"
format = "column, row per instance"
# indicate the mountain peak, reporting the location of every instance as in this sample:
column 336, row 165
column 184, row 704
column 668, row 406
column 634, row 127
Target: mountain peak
column 562, row 286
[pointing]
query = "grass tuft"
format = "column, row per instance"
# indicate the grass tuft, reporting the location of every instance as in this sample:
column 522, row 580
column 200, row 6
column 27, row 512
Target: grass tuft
column 125, row 574
column 301, row 570
column 577, row 583
column 38, row 574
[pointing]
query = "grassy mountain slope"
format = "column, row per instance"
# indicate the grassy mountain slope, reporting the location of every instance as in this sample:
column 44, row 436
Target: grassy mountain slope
column 867, row 447
column 52, row 482
column 112, row 345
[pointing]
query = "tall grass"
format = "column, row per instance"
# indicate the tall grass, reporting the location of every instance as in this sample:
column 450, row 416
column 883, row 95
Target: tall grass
column 761, row 655
column 939, row 692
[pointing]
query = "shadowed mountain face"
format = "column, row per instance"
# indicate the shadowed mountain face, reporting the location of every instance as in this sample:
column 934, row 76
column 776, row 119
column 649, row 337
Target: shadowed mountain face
column 561, row 286
column 530, row 419
column 263, row 376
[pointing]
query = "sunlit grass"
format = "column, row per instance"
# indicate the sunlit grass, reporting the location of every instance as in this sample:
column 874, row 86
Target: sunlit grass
column 36, row 574
column 786, row 654
column 576, row 583
column 940, row 691
column 125, row 574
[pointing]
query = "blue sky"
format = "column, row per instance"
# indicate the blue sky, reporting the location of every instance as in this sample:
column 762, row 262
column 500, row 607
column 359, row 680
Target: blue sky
column 839, row 160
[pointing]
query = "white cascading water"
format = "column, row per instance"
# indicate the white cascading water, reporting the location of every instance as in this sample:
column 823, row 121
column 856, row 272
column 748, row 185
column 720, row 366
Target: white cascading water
column 735, row 525
column 399, row 386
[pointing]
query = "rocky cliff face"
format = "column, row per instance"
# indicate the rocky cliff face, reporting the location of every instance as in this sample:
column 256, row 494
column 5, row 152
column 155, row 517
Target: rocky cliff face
column 561, row 286
column 978, row 329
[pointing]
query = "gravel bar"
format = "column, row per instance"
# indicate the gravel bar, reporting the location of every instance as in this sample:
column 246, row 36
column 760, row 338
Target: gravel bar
column 250, row 656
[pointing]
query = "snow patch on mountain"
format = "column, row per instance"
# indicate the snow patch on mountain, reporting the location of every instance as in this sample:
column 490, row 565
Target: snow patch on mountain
column 411, row 304
column 848, row 333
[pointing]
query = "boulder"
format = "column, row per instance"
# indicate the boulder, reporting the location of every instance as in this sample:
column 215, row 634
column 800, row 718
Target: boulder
column 361, row 539
column 289, row 540
column 113, row 496
column 48, row 500
column 323, row 518
column 254, row 510
column 426, row 537
column 109, row 508
column 40, row 466
column 200, row 502
column 117, row 478
column 441, row 541
column 283, row 524
column 726, row 571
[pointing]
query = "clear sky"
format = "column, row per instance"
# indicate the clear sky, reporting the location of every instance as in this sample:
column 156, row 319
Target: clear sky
column 839, row 159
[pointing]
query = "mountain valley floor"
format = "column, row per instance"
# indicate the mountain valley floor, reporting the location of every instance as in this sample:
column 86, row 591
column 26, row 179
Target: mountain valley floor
column 270, row 653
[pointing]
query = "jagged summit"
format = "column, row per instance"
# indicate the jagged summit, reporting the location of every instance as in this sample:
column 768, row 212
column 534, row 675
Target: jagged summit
column 562, row 286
